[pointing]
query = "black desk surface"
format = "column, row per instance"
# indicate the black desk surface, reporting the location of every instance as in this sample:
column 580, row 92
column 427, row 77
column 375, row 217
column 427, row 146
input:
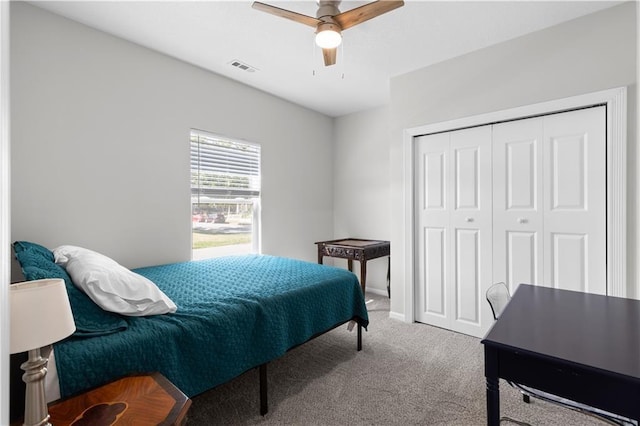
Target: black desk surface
column 594, row 331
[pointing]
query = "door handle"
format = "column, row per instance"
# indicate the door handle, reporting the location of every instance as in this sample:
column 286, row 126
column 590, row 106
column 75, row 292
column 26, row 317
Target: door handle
column 522, row 220
column 469, row 219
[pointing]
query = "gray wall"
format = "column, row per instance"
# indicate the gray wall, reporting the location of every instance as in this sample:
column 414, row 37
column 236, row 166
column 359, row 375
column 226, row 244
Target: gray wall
column 4, row 214
column 589, row 54
column 361, row 185
column 100, row 146
column 100, row 123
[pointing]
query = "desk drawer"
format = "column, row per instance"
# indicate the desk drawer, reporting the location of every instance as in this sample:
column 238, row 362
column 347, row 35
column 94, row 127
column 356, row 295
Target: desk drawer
column 605, row 390
column 342, row 252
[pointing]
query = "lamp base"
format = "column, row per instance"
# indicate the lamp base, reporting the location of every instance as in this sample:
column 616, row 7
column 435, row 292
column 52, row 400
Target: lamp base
column 35, row 408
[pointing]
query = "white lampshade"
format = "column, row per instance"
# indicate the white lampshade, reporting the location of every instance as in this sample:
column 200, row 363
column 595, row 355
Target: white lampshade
column 40, row 314
column 328, row 36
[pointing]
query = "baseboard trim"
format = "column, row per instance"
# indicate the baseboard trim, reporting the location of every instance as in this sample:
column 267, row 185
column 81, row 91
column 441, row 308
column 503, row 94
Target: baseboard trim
column 396, row 316
column 378, row 291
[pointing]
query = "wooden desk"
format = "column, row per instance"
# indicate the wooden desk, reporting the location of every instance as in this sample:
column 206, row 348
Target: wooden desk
column 140, row 400
column 579, row 346
column 360, row 250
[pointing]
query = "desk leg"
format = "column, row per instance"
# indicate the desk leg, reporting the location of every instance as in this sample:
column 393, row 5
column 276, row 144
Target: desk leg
column 264, row 405
column 493, row 386
column 363, row 274
column 493, row 402
column 389, row 276
column 350, row 264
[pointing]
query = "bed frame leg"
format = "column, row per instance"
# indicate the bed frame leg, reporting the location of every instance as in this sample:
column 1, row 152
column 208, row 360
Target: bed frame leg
column 264, row 408
column 359, row 337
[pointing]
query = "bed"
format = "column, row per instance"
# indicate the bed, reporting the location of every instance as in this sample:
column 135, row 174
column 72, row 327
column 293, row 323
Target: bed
column 233, row 314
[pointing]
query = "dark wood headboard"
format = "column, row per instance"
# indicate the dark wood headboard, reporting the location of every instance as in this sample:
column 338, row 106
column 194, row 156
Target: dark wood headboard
column 16, row 385
column 16, row 270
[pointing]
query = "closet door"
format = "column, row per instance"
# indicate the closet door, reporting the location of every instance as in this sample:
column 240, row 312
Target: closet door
column 575, row 200
column 453, row 225
column 471, row 230
column 549, row 210
column 518, row 210
column 433, row 203
column 519, row 202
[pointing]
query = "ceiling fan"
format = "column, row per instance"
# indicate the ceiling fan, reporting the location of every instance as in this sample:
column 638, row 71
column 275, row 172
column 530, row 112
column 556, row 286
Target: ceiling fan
column 330, row 22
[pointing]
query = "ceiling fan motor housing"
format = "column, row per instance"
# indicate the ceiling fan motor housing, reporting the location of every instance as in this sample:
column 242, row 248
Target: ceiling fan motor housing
column 328, row 26
column 327, row 8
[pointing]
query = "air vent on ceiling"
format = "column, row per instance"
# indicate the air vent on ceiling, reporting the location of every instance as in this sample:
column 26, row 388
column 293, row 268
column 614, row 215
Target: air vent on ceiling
column 242, row 66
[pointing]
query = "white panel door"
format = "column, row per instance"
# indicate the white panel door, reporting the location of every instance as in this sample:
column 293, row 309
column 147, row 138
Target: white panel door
column 432, row 227
column 549, row 212
column 453, row 225
column 471, row 231
column 518, row 202
column 575, row 200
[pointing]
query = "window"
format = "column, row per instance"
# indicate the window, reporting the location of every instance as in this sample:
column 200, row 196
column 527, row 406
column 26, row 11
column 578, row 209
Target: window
column 225, row 196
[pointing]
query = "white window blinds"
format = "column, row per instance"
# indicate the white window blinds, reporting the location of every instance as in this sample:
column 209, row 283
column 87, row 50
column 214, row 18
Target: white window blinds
column 223, row 169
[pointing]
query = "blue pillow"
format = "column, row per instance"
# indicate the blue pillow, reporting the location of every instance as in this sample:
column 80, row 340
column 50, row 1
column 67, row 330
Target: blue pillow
column 31, row 257
column 90, row 319
column 20, row 246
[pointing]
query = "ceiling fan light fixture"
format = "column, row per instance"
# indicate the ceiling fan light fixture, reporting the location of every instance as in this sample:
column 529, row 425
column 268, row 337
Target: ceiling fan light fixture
column 328, row 36
column 330, row 22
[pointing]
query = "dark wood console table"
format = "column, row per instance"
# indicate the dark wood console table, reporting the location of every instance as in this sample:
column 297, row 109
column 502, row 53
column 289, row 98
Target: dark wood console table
column 360, row 250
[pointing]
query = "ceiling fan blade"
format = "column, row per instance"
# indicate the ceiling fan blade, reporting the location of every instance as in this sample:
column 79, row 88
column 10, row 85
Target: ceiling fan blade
column 329, row 56
column 363, row 13
column 284, row 13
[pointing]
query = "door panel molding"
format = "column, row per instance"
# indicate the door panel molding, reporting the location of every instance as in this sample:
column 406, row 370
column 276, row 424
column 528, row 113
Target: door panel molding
column 570, row 260
column 521, row 188
column 522, row 269
column 434, row 300
column 568, row 176
column 615, row 101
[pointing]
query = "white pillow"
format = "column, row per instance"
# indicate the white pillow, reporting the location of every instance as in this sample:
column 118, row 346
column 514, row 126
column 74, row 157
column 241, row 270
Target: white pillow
column 112, row 286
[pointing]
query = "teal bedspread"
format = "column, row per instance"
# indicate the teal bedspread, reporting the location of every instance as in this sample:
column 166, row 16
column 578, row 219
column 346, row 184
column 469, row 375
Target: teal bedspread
column 234, row 313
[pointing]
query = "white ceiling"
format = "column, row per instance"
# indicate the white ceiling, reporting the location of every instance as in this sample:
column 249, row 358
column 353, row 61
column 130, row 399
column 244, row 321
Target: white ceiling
column 211, row 34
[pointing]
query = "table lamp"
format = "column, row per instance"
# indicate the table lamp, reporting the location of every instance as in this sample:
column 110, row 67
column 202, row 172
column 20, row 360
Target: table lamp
column 40, row 315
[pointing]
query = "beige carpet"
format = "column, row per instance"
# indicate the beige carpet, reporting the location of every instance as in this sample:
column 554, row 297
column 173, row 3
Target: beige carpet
column 406, row 374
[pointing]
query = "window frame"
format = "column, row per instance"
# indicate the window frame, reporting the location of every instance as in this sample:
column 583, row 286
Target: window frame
column 254, row 200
